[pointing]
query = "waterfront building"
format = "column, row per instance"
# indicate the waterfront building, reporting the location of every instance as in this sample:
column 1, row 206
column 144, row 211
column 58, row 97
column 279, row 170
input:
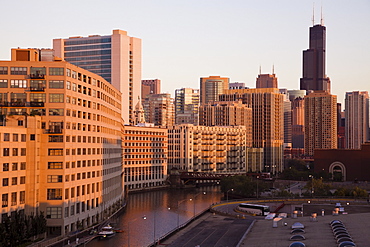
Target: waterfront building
column 186, row 106
column 115, row 57
column 267, row 122
column 145, row 157
column 357, row 119
column 159, row 109
column 266, row 81
column 60, row 141
column 150, row 86
column 320, row 132
column 216, row 149
column 211, row 87
column 314, row 76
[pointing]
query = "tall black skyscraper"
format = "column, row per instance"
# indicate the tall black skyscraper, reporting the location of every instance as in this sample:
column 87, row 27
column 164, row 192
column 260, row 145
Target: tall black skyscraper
column 314, row 77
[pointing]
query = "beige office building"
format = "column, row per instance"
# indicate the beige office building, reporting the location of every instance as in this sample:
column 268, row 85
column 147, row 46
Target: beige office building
column 159, row 109
column 267, row 122
column 211, row 87
column 60, row 141
column 207, row 149
column 115, row 57
column 357, row 119
column 145, row 157
column 186, row 106
column 320, row 109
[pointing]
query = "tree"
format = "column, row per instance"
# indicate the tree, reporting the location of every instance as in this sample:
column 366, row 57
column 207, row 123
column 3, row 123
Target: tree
column 242, row 185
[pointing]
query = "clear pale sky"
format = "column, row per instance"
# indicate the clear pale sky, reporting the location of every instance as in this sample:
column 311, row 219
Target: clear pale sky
column 186, row 40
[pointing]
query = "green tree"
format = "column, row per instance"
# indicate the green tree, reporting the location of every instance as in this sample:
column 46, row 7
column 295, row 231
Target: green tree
column 242, row 185
column 359, row 193
column 319, row 187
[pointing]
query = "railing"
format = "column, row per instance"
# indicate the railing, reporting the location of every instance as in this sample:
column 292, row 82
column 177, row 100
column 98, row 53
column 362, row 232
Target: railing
column 36, row 89
column 36, row 104
column 37, row 76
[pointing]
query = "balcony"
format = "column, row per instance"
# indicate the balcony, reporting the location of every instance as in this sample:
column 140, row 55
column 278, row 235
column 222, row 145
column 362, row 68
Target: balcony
column 53, row 131
column 36, row 89
column 18, row 104
column 4, row 103
column 37, row 76
column 36, row 104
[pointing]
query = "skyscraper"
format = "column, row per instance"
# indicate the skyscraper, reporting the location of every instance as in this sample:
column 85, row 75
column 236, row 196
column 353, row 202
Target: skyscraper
column 116, row 58
column 159, row 109
column 314, row 77
column 320, row 109
column 266, row 81
column 151, row 86
column 186, row 106
column 357, row 119
column 211, row 87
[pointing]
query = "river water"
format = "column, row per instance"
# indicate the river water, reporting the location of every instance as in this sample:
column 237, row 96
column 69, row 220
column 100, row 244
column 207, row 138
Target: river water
column 150, row 215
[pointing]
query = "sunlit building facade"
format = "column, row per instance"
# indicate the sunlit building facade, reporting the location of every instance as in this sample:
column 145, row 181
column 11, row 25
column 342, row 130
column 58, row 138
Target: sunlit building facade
column 207, row 149
column 115, row 57
column 211, row 87
column 186, row 106
column 159, row 109
column 145, row 157
column 63, row 127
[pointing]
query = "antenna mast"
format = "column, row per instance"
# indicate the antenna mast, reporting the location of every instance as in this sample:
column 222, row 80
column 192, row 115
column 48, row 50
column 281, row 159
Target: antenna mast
column 322, row 18
column 313, row 15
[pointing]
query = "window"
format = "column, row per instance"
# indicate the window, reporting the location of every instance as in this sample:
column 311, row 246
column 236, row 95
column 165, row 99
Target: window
column 38, row 97
column 3, row 70
column 68, row 85
column 32, row 137
column 23, row 151
column 54, row 194
column 37, row 85
column 15, row 166
column 22, row 180
column 14, row 180
column 22, row 197
column 6, row 137
column 56, row 98
column 18, row 83
column 23, row 165
column 3, row 83
column 55, row 152
column 56, row 84
column 38, row 112
column 56, row 112
column 4, row 199
column 23, row 137
column 38, row 71
column 55, row 178
column 72, row 210
column 15, row 137
column 66, row 212
column 5, row 151
column 20, row 122
column 5, row 167
column 74, row 87
column 14, row 198
column 53, row 212
column 55, row 138
column 18, row 70
column 68, row 72
column 15, row 151
column 5, row 182
column 55, row 165
column 56, row 71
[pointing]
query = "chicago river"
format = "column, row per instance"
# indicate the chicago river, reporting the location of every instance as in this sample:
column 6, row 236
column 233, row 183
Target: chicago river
column 152, row 214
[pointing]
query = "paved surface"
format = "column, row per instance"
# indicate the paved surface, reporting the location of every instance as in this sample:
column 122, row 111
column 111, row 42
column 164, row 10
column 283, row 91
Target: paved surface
column 211, row 231
column 216, row 230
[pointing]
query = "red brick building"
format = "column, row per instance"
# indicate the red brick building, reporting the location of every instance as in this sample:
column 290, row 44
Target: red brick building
column 354, row 164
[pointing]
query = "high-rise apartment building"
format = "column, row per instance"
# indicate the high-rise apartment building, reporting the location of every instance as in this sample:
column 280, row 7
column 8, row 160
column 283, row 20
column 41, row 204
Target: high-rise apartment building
column 60, row 141
column 227, row 113
column 208, row 149
column 267, row 122
column 211, row 87
column 159, row 109
column 314, row 77
column 186, row 106
column 145, row 157
column 357, row 119
column 150, row 86
column 320, row 109
column 116, row 58
column 266, row 81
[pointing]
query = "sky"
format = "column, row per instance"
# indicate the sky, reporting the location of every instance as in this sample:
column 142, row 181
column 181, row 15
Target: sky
column 183, row 40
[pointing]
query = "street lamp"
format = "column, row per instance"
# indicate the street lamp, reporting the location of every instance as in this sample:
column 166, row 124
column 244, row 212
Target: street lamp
column 128, row 228
column 311, row 176
column 258, row 177
column 191, row 199
column 227, row 194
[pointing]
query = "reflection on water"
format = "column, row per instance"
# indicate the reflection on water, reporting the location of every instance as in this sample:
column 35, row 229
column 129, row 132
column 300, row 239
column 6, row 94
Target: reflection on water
column 150, row 215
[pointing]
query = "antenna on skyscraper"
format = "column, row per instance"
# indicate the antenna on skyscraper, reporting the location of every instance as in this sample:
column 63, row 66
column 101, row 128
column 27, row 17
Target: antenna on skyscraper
column 313, row 14
column 260, row 69
column 322, row 18
column 273, row 69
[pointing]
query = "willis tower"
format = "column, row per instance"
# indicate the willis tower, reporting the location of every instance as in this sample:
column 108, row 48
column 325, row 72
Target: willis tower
column 314, row 77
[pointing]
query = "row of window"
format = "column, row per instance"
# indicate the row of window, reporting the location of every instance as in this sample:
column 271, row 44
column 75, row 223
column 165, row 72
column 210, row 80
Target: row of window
column 13, row 198
column 6, row 137
column 57, row 193
column 15, row 151
column 14, row 166
column 33, row 70
column 14, row 181
column 19, row 98
column 34, row 85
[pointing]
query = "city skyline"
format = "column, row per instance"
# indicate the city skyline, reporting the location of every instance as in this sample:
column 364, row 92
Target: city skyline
column 230, row 39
